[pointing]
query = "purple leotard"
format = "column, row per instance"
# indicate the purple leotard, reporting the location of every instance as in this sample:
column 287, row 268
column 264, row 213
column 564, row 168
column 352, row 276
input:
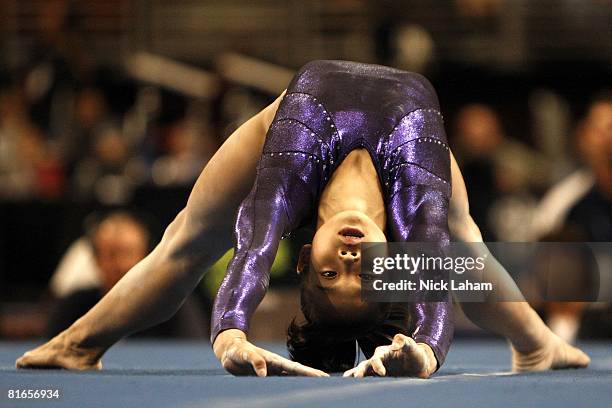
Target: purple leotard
column 330, row 109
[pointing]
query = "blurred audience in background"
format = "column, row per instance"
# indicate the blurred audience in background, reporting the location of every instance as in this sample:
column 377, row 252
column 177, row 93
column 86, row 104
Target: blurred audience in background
column 96, row 262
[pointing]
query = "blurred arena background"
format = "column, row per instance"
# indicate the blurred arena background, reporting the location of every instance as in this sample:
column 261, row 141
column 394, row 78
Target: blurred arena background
column 109, row 110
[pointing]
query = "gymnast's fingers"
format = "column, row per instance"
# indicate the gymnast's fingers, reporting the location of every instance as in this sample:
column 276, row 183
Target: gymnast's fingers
column 294, row 368
column 281, row 365
column 349, row 373
column 409, row 343
column 361, row 369
column 377, row 366
column 399, row 341
column 256, row 361
column 376, row 361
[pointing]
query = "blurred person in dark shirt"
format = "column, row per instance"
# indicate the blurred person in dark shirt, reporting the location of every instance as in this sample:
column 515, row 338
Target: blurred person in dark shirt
column 119, row 241
column 590, row 218
column 593, row 213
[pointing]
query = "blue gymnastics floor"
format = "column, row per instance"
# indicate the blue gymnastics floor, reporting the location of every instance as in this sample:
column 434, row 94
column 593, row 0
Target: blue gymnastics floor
column 179, row 374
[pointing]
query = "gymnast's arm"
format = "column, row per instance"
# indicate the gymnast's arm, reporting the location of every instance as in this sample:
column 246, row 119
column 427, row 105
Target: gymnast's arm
column 418, row 214
column 261, row 221
column 418, row 210
column 264, row 216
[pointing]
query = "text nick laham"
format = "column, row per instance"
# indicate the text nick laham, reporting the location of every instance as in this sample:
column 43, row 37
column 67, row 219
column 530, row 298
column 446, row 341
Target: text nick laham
column 431, row 284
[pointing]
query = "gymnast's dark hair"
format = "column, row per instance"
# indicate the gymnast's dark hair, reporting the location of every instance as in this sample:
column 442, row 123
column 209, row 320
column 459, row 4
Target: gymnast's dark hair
column 319, row 347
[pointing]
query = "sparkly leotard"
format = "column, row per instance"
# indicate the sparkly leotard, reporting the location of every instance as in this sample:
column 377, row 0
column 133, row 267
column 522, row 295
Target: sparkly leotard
column 331, row 108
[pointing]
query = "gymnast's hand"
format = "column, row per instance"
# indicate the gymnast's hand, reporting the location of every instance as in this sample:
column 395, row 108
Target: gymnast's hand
column 239, row 357
column 402, row 358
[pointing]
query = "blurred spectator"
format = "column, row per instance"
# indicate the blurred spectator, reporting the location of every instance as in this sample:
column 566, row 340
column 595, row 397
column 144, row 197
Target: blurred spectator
column 188, row 145
column 582, row 204
column 593, row 213
column 28, row 169
column 500, row 174
column 403, row 45
column 414, row 48
column 104, row 175
column 56, row 67
column 583, row 198
column 115, row 244
column 89, row 113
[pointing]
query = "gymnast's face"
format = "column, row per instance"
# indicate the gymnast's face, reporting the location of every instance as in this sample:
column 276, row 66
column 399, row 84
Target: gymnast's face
column 333, row 265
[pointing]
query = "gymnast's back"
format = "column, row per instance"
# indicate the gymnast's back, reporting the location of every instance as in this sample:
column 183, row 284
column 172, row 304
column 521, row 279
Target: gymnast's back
column 348, row 85
column 333, row 107
column 364, row 100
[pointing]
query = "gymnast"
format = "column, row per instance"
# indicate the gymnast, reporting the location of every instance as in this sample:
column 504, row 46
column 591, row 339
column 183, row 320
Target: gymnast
column 359, row 152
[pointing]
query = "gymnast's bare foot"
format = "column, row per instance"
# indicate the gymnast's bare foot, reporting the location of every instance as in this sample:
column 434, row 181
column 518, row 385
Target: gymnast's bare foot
column 554, row 354
column 60, row 352
column 402, row 358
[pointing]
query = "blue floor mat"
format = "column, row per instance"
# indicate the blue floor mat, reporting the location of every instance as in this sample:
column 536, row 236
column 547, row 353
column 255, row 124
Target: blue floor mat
column 186, row 374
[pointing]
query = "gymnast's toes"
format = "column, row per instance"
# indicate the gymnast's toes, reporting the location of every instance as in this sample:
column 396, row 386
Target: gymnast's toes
column 556, row 354
column 571, row 357
column 35, row 359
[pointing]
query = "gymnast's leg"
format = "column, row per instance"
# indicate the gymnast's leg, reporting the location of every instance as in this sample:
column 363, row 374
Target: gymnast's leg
column 154, row 289
column 534, row 346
